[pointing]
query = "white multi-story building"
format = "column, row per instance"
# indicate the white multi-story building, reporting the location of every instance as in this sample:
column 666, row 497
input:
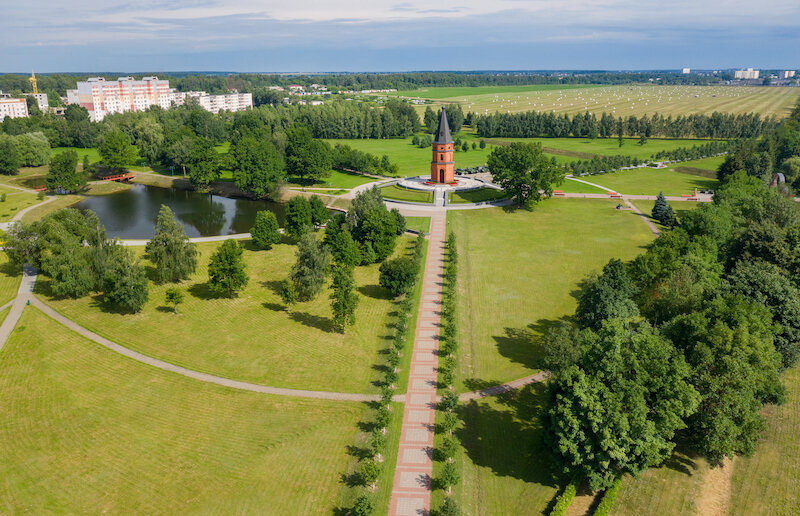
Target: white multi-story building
column 686, row 71
column 41, row 101
column 13, row 108
column 746, row 74
column 215, row 103
column 101, row 97
column 786, row 74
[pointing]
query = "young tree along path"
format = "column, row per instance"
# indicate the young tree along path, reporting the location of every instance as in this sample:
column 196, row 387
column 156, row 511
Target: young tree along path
column 411, row 490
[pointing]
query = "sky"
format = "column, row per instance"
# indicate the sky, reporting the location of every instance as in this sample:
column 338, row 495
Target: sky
column 385, row 35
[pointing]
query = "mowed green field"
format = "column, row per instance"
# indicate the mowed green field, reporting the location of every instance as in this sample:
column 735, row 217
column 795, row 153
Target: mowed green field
column 10, row 278
column 84, row 430
column 621, row 100
column 15, row 201
column 586, row 148
column 768, row 483
column 94, row 156
column 522, row 268
column 412, row 160
column 250, row 337
column 669, row 489
column 335, row 179
column 641, row 181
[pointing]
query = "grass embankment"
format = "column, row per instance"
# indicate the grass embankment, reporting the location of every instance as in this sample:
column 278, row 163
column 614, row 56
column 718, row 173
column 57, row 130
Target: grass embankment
column 250, row 337
column 619, row 100
column 404, row 194
column 418, row 223
column 335, row 179
column 60, row 201
column 87, row 431
column 472, row 196
column 522, row 267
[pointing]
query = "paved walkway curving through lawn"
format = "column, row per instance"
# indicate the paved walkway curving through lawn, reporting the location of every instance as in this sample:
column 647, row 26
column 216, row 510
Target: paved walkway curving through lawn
column 413, row 476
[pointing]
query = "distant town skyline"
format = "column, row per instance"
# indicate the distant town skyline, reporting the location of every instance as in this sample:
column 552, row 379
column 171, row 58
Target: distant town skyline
column 383, row 36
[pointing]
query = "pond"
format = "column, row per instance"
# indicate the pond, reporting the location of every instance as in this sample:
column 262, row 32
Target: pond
column 133, row 212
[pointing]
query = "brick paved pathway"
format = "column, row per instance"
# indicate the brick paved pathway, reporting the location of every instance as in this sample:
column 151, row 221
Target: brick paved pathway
column 411, row 491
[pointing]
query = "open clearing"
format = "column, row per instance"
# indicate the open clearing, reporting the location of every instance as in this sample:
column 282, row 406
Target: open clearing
column 522, row 268
column 250, row 337
column 621, row 100
column 641, row 181
column 86, row 431
column 335, row 179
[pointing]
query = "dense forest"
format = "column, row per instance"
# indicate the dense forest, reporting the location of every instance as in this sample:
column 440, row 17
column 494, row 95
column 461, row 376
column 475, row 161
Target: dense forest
column 686, row 342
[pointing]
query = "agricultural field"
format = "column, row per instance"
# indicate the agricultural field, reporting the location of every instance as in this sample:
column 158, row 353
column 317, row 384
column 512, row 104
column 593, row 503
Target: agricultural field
column 619, row 100
column 88, row 431
column 447, row 92
column 522, row 267
column 250, row 337
column 641, row 181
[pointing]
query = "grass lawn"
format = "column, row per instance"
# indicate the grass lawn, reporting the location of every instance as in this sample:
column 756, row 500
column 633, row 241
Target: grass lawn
column 10, row 278
column 479, row 195
column 643, row 181
column 105, row 188
column 571, row 186
column 467, row 91
column 61, row 201
column 250, row 337
column 404, row 194
column 522, row 268
column 584, row 148
column 16, row 201
column 27, row 177
column 94, row 155
column 768, row 483
column 412, row 160
column 336, row 179
column 670, row 489
column 505, row 469
column 619, row 100
column 94, row 432
column 419, row 223
column 680, row 207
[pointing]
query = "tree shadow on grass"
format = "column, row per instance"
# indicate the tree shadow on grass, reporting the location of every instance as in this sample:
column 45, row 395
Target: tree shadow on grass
column 508, row 438
column 313, row 321
column 526, row 345
column 275, row 307
column 203, row 291
column 273, row 285
column 375, row 292
column 683, row 459
column 359, row 452
column 10, row 269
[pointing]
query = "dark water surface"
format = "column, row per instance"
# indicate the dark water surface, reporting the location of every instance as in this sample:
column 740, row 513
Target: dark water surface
column 133, row 213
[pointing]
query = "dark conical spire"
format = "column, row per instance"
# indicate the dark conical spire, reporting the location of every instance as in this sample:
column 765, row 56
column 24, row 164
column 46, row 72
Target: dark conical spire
column 443, row 133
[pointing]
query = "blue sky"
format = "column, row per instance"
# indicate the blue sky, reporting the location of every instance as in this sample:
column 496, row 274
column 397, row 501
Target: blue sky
column 379, row 35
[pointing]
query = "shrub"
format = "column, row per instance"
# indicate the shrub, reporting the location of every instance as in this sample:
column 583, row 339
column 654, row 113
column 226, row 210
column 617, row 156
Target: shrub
column 398, row 275
column 604, row 507
column 564, row 501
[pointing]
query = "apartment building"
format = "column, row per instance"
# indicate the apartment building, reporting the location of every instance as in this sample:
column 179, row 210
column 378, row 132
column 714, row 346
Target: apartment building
column 101, row 97
column 216, row 103
column 13, row 108
column 746, row 74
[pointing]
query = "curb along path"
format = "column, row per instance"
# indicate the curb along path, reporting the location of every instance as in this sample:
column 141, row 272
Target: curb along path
column 411, row 489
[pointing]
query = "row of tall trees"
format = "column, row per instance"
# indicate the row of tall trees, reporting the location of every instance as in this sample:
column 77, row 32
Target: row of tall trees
column 533, row 124
column 23, row 150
